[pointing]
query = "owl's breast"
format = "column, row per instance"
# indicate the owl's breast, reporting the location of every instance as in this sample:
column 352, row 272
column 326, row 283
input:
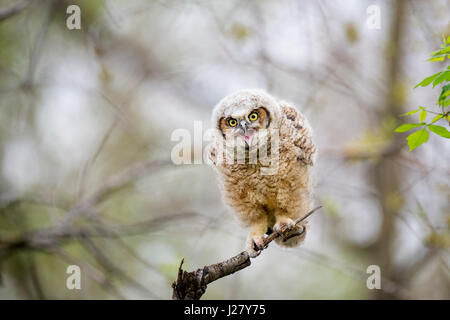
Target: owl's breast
column 246, row 183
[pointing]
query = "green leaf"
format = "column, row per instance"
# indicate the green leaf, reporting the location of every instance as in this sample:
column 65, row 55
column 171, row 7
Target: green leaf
column 438, row 58
column 422, row 115
column 446, row 102
column 407, row 126
column 438, row 117
column 410, row 112
column 441, row 78
column 444, row 93
column 428, row 80
column 445, row 50
column 435, row 53
column 443, row 132
column 440, row 53
column 417, row 138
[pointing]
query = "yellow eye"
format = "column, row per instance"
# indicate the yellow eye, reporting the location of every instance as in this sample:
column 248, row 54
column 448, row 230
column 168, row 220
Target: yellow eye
column 232, row 122
column 253, row 116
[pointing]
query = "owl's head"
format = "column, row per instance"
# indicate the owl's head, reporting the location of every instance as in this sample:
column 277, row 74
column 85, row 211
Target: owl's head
column 243, row 114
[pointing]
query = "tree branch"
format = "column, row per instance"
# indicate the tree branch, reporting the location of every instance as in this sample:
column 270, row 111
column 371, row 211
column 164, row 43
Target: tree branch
column 192, row 285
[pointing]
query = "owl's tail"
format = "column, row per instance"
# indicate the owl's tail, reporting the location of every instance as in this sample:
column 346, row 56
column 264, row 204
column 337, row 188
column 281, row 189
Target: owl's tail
column 294, row 238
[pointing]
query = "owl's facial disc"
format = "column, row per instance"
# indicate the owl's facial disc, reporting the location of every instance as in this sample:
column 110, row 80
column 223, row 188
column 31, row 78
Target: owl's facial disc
column 244, row 125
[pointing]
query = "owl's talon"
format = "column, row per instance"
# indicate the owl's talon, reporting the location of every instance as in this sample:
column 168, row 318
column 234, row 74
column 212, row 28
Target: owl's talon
column 255, row 244
column 252, row 252
column 283, row 226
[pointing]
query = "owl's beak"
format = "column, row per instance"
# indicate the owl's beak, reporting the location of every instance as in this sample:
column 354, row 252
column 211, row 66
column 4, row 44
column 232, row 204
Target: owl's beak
column 246, row 132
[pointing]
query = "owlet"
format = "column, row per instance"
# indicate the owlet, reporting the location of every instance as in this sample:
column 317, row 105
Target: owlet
column 263, row 153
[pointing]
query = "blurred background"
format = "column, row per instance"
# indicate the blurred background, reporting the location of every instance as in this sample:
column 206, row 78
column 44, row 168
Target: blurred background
column 86, row 120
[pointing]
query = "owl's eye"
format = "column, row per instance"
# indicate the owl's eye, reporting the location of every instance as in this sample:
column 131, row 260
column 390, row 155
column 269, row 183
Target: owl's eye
column 232, row 122
column 253, row 116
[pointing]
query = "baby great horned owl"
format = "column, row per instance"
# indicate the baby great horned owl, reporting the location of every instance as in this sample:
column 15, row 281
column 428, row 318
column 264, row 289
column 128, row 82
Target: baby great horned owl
column 263, row 153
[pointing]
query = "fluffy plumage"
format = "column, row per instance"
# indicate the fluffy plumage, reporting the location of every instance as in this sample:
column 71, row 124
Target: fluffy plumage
column 263, row 199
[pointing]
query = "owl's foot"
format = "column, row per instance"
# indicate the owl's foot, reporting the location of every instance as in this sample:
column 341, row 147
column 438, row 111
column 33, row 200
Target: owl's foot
column 283, row 224
column 292, row 238
column 254, row 245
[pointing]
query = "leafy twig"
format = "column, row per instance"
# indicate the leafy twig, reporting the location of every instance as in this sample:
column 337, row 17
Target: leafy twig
column 421, row 136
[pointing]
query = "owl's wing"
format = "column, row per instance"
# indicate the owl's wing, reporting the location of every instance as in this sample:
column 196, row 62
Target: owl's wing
column 212, row 155
column 300, row 133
